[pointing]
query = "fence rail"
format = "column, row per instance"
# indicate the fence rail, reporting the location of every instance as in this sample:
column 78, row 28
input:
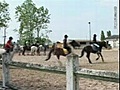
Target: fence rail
column 72, row 71
column 82, row 72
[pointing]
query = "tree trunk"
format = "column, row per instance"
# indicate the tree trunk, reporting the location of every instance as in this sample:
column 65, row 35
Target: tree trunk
column 38, row 32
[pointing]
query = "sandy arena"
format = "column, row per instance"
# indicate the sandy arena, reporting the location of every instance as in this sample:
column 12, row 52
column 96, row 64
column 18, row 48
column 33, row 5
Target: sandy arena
column 36, row 80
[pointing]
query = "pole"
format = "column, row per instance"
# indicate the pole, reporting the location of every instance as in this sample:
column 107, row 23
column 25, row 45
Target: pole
column 5, row 69
column 4, row 36
column 71, row 66
column 89, row 31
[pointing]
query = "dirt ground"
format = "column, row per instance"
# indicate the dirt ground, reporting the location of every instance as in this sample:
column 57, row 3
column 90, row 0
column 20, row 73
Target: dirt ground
column 36, row 80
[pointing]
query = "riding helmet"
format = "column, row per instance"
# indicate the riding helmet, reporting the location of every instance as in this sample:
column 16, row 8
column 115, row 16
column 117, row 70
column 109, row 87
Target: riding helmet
column 66, row 36
column 95, row 35
column 10, row 38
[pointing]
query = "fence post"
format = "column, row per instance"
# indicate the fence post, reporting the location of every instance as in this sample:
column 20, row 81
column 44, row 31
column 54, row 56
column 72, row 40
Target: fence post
column 71, row 65
column 5, row 69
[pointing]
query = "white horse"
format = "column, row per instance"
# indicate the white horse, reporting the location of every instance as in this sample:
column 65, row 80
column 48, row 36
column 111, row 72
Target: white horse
column 20, row 50
column 34, row 50
column 1, row 52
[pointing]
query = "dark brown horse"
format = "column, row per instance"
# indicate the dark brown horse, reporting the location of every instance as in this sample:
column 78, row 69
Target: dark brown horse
column 58, row 50
column 90, row 49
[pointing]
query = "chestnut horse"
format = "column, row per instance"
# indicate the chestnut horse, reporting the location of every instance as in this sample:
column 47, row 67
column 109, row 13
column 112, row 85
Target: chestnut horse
column 58, row 50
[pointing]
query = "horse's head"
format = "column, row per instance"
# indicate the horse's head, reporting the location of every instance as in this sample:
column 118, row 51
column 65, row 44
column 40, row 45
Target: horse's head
column 2, row 51
column 74, row 44
column 103, row 44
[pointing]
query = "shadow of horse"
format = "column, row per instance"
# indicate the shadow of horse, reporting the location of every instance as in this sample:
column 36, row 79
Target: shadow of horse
column 58, row 50
column 89, row 49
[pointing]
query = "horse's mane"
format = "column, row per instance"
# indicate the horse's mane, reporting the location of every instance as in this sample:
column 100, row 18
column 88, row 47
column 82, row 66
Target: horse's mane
column 59, row 45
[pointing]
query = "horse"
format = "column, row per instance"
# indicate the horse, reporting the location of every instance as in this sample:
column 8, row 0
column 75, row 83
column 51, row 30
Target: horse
column 37, row 49
column 90, row 49
column 12, row 51
column 33, row 49
column 42, row 48
column 58, row 50
column 1, row 52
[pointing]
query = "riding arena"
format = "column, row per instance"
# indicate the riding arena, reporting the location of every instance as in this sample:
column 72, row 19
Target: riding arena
column 28, row 79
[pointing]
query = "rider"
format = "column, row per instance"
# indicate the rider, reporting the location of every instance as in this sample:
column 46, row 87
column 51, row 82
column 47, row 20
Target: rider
column 95, row 43
column 9, row 45
column 65, row 45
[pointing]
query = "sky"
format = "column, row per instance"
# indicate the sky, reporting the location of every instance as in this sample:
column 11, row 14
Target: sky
column 70, row 17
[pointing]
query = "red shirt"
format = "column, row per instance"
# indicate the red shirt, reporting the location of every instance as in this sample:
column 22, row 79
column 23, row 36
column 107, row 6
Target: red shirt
column 8, row 44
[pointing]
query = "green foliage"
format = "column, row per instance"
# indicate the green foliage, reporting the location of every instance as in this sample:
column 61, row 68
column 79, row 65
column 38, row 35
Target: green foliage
column 40, row 40
column 102, row 36
column 4, row 14
column 108, row 33
column 31, row 19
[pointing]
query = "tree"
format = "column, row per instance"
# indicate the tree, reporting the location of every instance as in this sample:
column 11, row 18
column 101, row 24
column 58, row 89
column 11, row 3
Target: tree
column 25, row 15
column 4, row 17
column 31, row 19
column 41, row 19
column 108, row 33
column 102, row 36
column 4, row 14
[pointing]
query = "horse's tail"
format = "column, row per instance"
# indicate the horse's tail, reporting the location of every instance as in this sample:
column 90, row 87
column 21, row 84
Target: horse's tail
column 49, row 54
column 82, row 52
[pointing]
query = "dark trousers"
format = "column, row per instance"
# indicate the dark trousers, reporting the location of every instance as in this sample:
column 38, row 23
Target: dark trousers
column 8, row 50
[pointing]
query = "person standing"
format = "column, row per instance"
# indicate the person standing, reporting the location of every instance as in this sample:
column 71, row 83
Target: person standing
column 9, row 45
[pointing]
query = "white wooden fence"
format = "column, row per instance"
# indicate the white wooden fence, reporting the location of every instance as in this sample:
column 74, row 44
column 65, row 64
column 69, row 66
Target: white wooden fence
column 72, row 71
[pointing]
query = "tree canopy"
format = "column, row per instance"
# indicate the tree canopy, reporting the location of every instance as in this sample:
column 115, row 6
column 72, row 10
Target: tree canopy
column 4, row 14
column 32, row 19
column 102, row 36
column 108, row 33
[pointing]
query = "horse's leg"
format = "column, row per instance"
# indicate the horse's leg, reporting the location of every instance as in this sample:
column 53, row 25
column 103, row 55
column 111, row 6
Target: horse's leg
column 88, row 56
column 102, row 57
column 98, row 56
column 19, row 52
column 58, row 57
column 49, row 54
column 32, row 52
column 44, row 50
column 38, row 52
column 23, row 52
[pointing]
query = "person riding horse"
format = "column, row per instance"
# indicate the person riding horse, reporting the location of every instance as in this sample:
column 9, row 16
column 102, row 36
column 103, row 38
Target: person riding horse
column 9, row 45
column 95, row 45
column 65, row 45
